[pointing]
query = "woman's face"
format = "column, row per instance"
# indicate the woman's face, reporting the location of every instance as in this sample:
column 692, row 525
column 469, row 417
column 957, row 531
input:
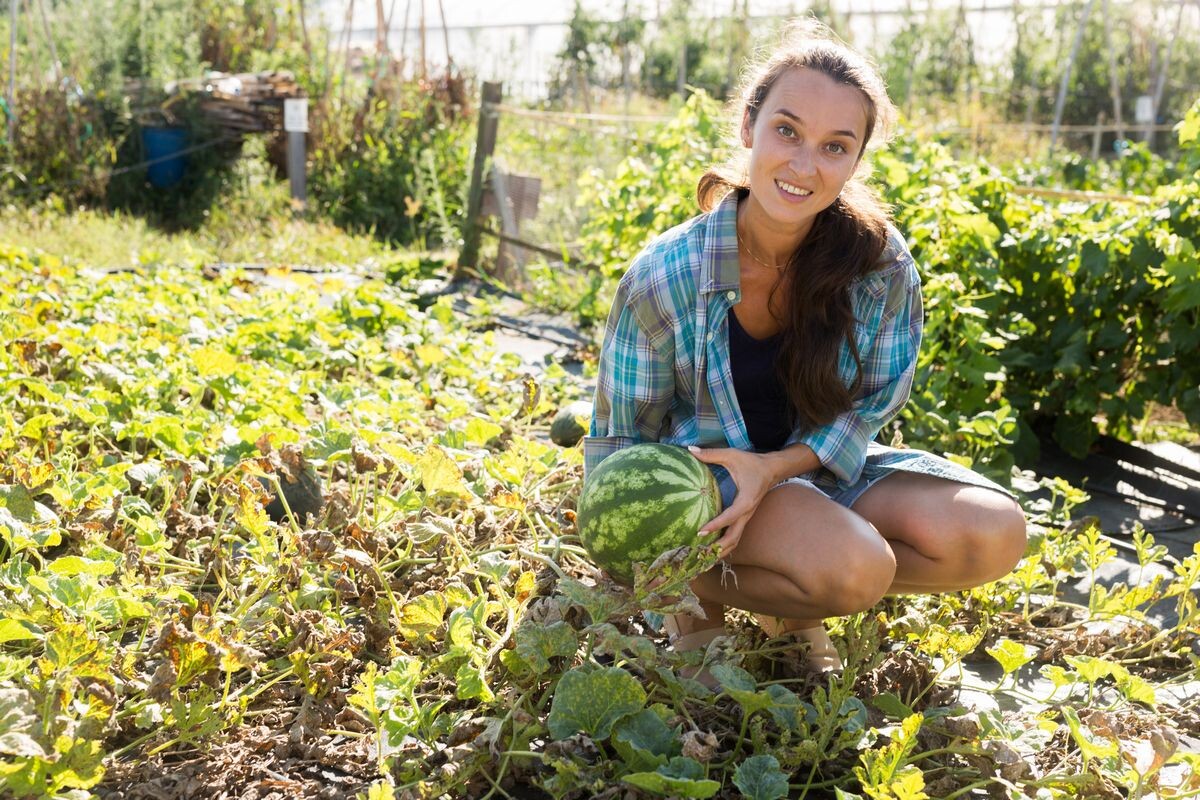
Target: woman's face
column 804, row 145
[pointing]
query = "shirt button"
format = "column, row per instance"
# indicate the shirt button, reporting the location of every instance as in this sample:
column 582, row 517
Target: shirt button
column 710, row 337
column 731, row 295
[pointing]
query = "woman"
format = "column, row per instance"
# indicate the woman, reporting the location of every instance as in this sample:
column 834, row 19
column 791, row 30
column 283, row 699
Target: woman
column 775, row 335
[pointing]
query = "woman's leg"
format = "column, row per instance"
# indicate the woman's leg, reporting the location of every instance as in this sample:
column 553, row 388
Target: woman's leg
column 946, row 535
column 803, row 557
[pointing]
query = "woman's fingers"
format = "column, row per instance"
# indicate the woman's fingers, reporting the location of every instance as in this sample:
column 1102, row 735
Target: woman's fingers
column 740, row 508
column 733, row 534
column 710, row 455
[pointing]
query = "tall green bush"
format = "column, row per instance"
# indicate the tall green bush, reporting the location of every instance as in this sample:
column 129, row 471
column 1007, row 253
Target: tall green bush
column 397, row 168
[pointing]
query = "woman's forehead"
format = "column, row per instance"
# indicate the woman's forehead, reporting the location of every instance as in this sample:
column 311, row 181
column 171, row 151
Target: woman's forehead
column 818, row 101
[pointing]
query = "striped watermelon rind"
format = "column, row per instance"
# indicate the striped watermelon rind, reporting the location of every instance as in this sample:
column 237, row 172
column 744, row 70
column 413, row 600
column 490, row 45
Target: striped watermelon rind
column 642, row 501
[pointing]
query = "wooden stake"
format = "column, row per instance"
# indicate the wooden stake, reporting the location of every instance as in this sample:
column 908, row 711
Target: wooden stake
column 423, row 63
column 445, row 40
column 11, row 107
column 1148, row 133
column 485, row 145
column 1066, row 76
column 1114, row 82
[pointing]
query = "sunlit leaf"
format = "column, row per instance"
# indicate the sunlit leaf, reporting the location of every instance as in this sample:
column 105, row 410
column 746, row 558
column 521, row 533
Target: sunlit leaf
column 440, row 474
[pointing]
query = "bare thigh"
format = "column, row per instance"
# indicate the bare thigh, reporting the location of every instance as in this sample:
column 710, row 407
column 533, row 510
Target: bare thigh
column 834, row 560
column 945, row 535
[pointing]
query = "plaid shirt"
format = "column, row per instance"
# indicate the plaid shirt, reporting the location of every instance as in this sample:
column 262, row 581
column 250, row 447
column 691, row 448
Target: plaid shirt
column 665, row 372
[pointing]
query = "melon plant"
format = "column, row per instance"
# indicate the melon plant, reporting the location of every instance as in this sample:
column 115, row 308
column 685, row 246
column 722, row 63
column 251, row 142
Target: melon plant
column 570, row 423
column 642, row 501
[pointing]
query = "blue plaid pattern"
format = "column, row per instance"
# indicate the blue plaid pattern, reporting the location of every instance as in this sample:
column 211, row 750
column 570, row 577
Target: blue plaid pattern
column 665, row 373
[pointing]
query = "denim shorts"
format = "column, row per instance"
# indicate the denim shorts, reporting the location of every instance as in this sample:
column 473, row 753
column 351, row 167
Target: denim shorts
column 881, row 462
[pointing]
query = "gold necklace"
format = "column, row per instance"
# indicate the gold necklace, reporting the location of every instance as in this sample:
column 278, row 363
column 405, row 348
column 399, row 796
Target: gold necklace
column 758, row 260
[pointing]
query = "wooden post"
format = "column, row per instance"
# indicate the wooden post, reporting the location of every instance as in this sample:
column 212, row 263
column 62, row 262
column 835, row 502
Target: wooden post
column 681, row 72
column 485, row 144
column 11, row 107
column 1066, row 76
column 1114, row 81
column 295, row 122
column 1148, row 133
column 1096, row 133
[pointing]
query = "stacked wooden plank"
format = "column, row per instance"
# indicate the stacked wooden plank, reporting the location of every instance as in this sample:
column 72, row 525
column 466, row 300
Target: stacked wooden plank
column 247, row 102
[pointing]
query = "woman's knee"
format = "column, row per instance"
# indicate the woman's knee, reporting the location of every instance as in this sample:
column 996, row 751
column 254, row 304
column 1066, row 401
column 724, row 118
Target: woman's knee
column 999, row 539
column 863, row 574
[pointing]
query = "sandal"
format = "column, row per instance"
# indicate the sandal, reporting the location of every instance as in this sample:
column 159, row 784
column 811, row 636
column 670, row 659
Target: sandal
column 822, row 655
column 696, row 640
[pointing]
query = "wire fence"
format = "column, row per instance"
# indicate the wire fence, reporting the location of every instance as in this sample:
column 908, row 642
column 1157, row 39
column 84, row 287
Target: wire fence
column 551, row 150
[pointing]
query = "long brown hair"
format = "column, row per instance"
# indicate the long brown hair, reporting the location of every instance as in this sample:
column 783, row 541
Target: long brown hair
column 846, row 239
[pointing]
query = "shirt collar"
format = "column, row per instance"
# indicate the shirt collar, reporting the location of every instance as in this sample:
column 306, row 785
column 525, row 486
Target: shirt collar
column 719, row 270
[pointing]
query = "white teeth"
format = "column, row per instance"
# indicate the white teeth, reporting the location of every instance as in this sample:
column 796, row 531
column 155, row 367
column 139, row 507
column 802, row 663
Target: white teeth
column 796, row 190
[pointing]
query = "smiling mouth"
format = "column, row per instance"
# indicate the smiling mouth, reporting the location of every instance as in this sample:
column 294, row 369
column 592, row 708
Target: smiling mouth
column 793, row 190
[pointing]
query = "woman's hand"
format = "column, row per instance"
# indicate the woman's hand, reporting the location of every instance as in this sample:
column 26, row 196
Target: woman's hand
column 754, row 477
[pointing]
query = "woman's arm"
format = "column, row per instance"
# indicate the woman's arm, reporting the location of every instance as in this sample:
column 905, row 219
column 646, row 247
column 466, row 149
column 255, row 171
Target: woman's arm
column 887, row 371
column 635, row 384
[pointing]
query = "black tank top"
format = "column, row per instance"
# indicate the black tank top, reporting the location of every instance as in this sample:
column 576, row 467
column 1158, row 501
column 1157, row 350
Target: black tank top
column 759, row 390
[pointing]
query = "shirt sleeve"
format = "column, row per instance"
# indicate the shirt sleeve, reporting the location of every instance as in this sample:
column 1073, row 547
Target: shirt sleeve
column 887, row 376
column 635, row 381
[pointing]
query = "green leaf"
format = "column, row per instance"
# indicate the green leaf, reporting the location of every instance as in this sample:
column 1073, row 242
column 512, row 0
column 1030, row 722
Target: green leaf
column 644, row 741
column 472, row 684
column 601, row 605
column 682, row 777
column 741, row 686
column 760, row 778
column 592, row 701
column 1011, row 655
column 1088, row 746
column 734, row 679
column 19, row 721
column 891, row 704
column 18, row 501
column 537, row 644
column 787, row 709
column 1138, row 690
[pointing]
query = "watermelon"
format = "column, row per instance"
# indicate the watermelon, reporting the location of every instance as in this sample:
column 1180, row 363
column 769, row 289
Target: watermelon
column 641, row 502
column 570, row 423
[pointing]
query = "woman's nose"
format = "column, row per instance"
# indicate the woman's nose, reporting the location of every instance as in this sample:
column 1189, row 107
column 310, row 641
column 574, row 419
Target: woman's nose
column 803, row 161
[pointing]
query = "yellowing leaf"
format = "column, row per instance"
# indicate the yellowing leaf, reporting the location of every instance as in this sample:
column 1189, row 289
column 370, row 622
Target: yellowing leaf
column 525, row 586
column 429, row 354
column 480, row 431
column 508, row 500
column 439, row 473
column 74, row 565
column 13, row 631
column 214, row 362
column 250, row 514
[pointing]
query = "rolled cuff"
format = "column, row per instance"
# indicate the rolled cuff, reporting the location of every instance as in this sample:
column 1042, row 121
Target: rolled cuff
column 598, row 448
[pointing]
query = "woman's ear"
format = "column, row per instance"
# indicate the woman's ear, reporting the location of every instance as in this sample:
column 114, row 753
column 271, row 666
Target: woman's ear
column 747, row 129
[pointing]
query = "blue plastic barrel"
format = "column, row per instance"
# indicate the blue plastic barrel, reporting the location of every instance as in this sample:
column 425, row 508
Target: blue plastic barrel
column 159, row 143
